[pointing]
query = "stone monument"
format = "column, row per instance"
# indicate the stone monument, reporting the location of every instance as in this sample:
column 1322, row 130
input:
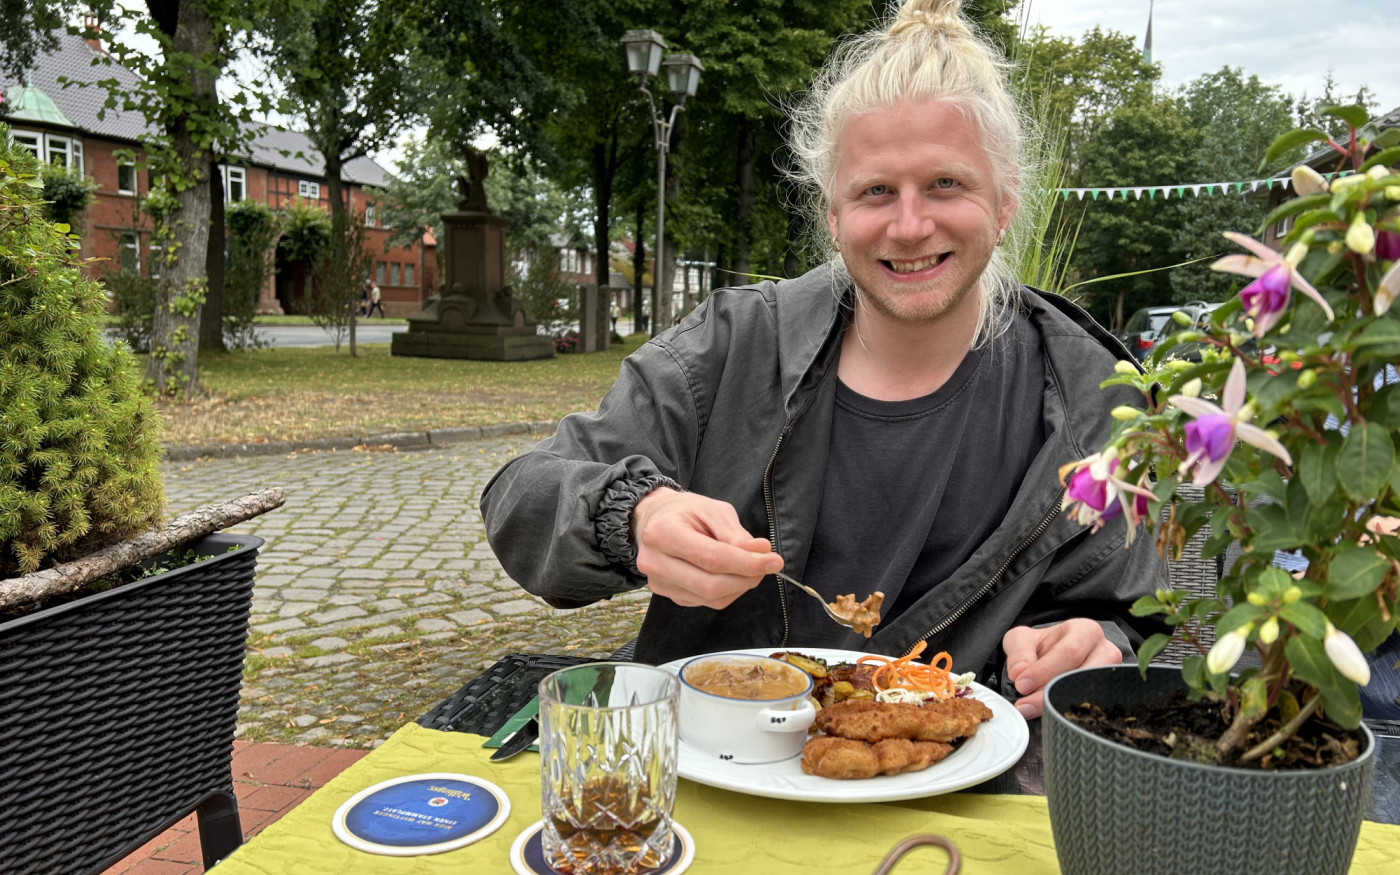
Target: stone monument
column 476, row 317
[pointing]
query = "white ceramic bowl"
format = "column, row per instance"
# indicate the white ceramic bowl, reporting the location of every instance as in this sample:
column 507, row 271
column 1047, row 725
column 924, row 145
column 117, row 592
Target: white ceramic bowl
column 745, row 730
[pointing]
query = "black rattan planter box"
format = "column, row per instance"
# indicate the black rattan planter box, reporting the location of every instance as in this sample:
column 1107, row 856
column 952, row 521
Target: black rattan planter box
column 117, row 714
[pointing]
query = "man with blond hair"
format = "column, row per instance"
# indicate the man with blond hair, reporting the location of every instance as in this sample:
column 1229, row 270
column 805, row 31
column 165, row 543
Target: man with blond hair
column 892, row 420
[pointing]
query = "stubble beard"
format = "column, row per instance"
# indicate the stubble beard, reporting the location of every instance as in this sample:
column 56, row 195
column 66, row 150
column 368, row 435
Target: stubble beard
column 918, row 307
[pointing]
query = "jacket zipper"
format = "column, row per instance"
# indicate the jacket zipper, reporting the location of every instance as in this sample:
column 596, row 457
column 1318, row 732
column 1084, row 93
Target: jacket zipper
column 773, row 529
column 991, row 582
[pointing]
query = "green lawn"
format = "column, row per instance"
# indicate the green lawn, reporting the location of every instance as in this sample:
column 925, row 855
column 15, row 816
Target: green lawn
column 299, row 394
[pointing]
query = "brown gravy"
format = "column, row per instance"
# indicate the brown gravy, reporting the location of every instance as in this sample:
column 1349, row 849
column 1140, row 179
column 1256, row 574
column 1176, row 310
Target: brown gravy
column 761, row 679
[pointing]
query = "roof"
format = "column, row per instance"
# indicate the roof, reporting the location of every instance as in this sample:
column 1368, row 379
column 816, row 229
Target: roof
column 79, row 106
column 28, row 103
column 1326, row 154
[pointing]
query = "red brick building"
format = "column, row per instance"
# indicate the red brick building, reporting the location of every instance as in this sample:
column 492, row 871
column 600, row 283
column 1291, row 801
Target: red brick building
column 62, row 125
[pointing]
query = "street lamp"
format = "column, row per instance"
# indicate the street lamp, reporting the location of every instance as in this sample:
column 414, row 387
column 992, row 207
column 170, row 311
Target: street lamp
column 644, row 48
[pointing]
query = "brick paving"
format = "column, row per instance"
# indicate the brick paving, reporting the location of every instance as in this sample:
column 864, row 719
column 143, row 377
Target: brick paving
column 376, row 597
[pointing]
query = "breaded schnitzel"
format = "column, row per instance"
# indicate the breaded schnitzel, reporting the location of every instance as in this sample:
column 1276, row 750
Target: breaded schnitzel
column 944, row 721
column 843, row 759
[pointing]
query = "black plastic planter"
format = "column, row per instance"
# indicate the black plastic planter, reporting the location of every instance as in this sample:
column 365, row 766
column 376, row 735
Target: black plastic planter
column 117, row 714
column 1115, row 810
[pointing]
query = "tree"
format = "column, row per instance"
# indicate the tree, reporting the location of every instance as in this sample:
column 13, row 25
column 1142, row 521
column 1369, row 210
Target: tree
column 187, row 124
column 348, row 71
column 1236, row 118
column 1140, row 144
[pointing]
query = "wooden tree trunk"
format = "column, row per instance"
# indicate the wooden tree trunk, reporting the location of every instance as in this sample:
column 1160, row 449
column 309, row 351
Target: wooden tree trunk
column 173, row 366
column 63, row 579
column 743, row 213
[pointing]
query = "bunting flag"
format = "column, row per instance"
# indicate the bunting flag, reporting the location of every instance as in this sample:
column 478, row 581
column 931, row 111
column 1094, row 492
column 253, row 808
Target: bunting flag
column 1197, row 189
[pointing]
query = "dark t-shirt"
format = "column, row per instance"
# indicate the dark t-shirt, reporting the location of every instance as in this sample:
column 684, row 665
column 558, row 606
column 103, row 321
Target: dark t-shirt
column 913, row 487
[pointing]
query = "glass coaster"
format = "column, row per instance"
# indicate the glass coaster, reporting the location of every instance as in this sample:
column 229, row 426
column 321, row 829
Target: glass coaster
column 527, row 853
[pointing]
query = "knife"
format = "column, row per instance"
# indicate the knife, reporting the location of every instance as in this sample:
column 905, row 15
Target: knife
column 522, row 739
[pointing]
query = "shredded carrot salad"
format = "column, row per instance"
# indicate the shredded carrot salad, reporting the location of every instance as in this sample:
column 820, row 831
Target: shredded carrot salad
column 904, row 673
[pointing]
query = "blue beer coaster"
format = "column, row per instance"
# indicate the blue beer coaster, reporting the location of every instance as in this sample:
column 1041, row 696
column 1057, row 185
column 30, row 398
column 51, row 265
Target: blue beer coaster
column 421, row 814
column 527, row 853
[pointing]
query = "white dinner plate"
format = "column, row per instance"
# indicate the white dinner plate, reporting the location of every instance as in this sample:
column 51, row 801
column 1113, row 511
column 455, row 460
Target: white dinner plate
column 996, row 747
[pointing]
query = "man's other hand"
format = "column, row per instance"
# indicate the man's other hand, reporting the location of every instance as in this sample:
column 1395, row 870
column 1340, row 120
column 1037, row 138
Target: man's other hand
column 1034, row 657
column 695, row 552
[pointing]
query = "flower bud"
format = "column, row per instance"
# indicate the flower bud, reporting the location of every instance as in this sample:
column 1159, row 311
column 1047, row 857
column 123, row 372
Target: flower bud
column 1257, row 599
column 1380, row 171
column 1268, row 631
column 1307, row 181
column 1246, row 412
column 1124, row 413
column 1335, row 247
column 1192, row 389
column 1346, row 656
column 1180, row 317
column 1125, row 368
column 1296, row 253
column 1392, row 192
column 1292, row 594
column 1307, row 379
column 1342, row 183
column 1227, row 650
column 1179, row 365
column 1361, row 239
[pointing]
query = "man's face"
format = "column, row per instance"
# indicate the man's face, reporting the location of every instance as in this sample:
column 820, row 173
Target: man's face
column 915, row 210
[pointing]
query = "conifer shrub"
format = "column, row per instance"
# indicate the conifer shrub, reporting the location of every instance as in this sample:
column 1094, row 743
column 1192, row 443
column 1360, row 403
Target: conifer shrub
column 79, row 440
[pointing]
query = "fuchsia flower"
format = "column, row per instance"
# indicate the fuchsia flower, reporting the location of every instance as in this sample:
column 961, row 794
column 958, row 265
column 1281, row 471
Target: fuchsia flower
column 1211, row 436
column 1266, row 298
column 1094, row 495
column 1388, row 245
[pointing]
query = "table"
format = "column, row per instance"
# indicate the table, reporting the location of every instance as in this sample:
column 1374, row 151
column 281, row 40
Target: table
column 999, row 826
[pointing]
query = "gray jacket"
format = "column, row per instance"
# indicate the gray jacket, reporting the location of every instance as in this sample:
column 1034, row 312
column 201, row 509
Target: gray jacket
column 735, row 403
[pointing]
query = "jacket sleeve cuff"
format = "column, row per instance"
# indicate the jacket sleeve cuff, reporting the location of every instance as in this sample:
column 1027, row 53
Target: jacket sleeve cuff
column 613, row 524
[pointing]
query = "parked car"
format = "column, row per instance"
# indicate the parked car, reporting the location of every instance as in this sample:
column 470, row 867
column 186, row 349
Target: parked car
column 1148, row 327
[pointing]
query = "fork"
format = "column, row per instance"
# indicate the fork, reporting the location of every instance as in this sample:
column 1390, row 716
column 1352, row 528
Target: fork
column 818, row 596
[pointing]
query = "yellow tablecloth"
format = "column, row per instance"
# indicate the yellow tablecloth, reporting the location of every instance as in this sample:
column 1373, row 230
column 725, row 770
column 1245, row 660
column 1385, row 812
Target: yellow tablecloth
column 734, row 834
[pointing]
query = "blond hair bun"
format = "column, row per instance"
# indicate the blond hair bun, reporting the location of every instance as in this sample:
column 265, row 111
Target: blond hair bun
column 936, row 16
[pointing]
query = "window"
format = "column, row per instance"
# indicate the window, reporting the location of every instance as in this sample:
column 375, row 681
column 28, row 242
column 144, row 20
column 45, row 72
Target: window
column 155, row 260
column 369, row 215
column 126, row 178
column 30, row 140
column 130, row 251
column 235, row 183
column 408, row 274
column 52, row 148
column 379, row 273
column 394, row 274
column 309, row 189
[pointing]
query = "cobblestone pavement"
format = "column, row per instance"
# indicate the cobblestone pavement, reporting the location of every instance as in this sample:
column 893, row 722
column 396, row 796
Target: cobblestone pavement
column 377, row 595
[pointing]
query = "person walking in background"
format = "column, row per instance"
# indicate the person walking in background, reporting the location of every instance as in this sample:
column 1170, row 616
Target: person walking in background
column 614, row 311
column 374, row 303
column 646, row 314
column 363, row 307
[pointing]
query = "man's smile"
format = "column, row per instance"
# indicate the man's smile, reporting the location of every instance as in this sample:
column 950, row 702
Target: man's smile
column 915, row 265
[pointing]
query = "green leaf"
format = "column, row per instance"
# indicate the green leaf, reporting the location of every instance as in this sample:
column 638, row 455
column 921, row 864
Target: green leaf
column 1316, row 468
column 1355, row 572
column 1363, row 465
column 1150, row 648
column 1147, row 606
column 1193, row 671
column 1354, row 115
column 1383, row 158
column 1290, row 141
column 1342, row 703
column 1272, row 528
column 1300, row 205
column 1382, row 331
column 1306, row 618
column 1308, row 660
column 1361, row 619
column 1254, row 696
column 1385, row 407
column 1236, row 617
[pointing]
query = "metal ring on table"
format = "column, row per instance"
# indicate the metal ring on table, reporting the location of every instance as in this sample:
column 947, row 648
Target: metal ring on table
column 904, row 847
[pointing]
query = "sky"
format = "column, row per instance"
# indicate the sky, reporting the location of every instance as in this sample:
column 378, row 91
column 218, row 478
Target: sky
column 1288, row 43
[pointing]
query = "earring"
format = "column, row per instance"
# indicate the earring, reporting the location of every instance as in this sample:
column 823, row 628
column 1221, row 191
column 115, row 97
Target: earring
column 1001, row 236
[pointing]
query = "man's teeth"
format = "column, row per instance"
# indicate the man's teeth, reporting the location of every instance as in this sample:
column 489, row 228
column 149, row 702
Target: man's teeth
column 911, row 266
